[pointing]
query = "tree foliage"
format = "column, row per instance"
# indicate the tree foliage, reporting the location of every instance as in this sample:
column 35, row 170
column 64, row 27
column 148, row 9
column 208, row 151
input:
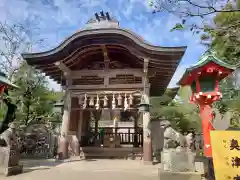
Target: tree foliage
column 224, row 36
column 191, row 8
column 183, row 115
column 33, row 98
column 15, row 39
column 186, row 10
column 230, row 100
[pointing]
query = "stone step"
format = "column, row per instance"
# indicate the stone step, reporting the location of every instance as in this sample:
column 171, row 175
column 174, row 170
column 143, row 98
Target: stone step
column 123, row 153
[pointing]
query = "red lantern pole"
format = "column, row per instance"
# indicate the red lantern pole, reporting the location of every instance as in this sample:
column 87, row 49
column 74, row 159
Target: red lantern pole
column 205, row 100
column 207, row 116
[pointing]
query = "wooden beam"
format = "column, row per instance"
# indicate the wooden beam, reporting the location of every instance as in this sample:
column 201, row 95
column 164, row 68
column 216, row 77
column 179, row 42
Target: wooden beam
column 103, row 73
column 102, row 93
column 63, row 67
column 103, row 87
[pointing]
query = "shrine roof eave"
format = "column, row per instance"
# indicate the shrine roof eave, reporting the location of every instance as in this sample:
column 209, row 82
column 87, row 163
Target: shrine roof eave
column 100, row 36
column 203, row 62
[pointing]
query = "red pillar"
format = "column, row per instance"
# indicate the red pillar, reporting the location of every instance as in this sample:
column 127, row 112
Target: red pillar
column 206, row 115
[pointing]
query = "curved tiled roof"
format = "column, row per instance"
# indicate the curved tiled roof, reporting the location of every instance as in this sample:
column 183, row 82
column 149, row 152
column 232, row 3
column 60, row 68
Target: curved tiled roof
column 163, row 59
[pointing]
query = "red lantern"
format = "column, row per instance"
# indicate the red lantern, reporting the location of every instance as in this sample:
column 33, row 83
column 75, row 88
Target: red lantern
column 204, row 80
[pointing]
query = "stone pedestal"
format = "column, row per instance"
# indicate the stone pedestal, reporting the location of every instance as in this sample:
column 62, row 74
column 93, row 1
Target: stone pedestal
column 63, row 142
column 147, row 140
column 63, row 148
column 204, row 166
column 178, row 160
column 178, row 164
column 76, row 145
column 147, row 152
column 9, row 162
column 164, row 175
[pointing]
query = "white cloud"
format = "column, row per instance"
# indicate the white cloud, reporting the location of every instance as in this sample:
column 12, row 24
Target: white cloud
column 127, row 11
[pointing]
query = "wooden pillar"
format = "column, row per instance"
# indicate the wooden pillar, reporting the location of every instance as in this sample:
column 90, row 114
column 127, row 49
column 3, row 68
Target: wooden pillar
column 63, row 144
column 136, row 144
column 80, row 122
column 96, row 123
column 147, row 139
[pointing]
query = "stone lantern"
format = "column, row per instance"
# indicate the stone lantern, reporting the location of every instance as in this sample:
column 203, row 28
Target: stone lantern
column 204, row 78
column 144, row 105
column 58, row 107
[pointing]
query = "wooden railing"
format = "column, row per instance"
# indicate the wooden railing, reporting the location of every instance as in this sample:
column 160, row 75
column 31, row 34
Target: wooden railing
column 128, row 136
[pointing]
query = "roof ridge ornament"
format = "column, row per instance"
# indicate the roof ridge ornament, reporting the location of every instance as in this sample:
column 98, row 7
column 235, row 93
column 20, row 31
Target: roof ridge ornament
column 102, row 20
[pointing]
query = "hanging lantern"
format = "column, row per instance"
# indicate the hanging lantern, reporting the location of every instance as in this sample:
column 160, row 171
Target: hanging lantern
column 130, row 100
column 125, row 103
column 97, row 102
column 144, row 104
column 85, row 101
column 113, row 102
column 91, row 102
column 105, row 101
column 119, row 99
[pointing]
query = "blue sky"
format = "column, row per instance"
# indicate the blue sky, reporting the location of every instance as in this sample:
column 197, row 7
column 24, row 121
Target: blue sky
column 58, row 19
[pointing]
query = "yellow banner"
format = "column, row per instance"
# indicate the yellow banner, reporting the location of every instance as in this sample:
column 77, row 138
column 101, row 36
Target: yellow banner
column 226, row 154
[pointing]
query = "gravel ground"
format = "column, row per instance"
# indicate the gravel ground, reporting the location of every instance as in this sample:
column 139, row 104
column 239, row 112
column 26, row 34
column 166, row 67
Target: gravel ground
column 90, row 170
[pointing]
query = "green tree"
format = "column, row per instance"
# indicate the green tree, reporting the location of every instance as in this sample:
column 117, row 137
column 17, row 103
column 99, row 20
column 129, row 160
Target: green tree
column 224, row 36
column 229, row 101
column 182, row 114
column 33, row 98
column 187, row 9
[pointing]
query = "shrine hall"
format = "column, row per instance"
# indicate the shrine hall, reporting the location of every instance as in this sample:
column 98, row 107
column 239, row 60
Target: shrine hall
column 108, row 74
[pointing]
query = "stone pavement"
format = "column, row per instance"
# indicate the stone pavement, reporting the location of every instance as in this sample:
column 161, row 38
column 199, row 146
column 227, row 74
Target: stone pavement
column 89, row 170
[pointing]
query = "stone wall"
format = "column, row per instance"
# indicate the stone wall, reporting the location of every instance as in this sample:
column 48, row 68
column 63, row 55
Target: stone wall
column 36, row 141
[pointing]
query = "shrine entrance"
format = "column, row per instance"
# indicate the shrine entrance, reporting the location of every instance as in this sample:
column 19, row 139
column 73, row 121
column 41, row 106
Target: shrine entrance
column 106, row 71
column 110, row 132
column 107, row 119
column 127, row 132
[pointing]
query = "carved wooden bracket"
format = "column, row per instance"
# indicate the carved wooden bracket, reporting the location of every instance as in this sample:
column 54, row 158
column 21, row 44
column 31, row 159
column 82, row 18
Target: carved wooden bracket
column 63, row 67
